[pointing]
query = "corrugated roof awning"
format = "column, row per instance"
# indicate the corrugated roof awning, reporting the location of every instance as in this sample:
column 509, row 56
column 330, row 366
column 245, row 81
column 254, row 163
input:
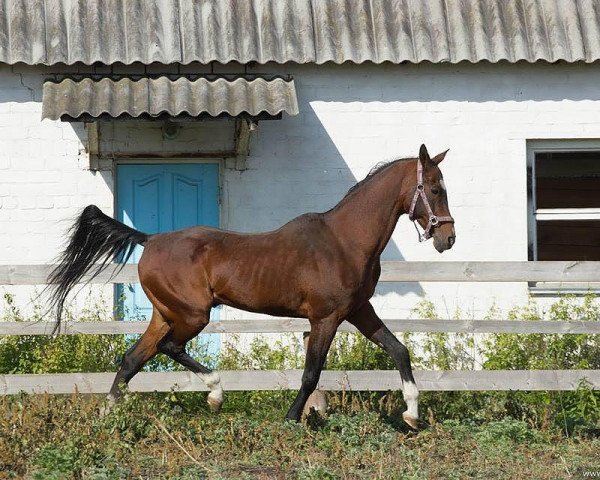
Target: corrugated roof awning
column 50, row 32
column 156, row 97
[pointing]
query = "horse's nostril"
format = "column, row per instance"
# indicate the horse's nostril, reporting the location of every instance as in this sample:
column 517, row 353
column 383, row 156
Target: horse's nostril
column 451, row 240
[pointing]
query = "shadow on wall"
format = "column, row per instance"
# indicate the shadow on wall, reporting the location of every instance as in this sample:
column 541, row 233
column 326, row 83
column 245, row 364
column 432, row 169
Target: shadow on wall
column 294, row 167
column 106, row 174
column 348, row 179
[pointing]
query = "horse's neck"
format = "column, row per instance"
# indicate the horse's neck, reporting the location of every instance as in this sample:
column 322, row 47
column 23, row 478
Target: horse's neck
column 366, row 218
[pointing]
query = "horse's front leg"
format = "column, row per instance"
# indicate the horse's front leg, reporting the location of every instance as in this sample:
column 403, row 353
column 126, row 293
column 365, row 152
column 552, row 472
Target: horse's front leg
column 371, row 326
column 321, row 335
column 317, row 400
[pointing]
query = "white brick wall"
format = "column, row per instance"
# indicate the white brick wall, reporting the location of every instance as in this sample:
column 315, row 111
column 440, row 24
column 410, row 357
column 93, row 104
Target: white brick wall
column 351, row 118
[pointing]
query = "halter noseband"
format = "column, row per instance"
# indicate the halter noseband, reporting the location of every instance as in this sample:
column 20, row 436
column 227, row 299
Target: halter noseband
column 434, row 220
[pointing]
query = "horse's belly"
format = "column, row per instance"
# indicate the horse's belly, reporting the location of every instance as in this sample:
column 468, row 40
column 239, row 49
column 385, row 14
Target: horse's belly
column 273, row 298
column 271, row 307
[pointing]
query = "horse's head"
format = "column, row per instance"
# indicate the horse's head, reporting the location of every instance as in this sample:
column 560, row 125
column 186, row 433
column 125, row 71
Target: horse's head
column 429, row 204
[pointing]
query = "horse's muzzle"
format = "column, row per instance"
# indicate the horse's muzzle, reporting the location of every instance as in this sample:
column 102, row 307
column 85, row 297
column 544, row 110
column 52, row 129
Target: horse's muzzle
column 443, row 243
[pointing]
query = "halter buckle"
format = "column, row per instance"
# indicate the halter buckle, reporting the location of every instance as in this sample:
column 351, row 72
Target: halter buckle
column 433, row 221
column 422, row 236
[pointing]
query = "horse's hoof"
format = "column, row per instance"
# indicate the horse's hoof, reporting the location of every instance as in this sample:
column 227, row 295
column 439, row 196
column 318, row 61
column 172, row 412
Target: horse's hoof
column 411, row 421
column 290, row 417
column 215, row 401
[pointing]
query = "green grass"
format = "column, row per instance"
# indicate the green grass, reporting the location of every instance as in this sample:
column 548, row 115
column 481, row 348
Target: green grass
column 175, row 436
column 486, row 435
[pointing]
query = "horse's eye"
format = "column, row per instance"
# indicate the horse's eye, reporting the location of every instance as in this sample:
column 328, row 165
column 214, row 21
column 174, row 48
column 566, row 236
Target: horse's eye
column 435, row 191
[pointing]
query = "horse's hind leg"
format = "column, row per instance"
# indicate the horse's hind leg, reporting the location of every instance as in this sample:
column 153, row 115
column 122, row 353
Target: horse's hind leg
column 371, row 326
column 142, row 351
column 173, row 345
column 319, row 341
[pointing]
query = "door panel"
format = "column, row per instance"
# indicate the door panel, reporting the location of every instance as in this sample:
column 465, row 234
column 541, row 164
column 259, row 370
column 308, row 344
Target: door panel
column 157, row 198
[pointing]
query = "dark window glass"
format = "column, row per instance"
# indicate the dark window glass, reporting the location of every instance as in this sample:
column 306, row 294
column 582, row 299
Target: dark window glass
column 568, row 180
column 568, row 240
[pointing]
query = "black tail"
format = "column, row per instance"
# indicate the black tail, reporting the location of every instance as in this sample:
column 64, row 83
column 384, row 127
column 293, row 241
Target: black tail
column 95, row 241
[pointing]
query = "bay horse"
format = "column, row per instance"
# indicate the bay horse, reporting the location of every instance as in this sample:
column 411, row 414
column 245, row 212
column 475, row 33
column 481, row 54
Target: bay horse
column 320, row 266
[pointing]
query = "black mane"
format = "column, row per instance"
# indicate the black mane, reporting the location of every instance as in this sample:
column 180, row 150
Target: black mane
column 379, row 167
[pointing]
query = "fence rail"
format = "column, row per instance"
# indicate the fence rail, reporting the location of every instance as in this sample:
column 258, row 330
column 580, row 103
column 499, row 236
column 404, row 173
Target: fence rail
column 284, row 325
column 391, row 271
column 580, row 272
column 334, row 380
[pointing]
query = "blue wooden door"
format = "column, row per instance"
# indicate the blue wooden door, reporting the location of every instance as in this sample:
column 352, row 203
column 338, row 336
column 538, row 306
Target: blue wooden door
column 156, row 198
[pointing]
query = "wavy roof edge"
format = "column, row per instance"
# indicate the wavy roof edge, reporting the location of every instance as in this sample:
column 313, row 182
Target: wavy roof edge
column 50, row 32
column 163, row 95
column 348, row 62
column 170, row 78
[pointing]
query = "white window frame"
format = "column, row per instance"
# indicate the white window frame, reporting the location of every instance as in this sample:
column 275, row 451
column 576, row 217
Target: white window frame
column 534, row 214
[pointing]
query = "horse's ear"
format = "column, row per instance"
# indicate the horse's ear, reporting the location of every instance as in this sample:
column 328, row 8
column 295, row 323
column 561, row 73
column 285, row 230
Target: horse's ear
column 439, row 157
column 424, row 156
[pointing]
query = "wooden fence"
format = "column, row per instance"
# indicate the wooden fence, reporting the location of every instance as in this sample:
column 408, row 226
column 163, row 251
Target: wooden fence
column 580, row 272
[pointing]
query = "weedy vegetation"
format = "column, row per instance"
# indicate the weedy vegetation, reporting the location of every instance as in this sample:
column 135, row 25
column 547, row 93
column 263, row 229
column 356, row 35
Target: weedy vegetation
column 174, row 435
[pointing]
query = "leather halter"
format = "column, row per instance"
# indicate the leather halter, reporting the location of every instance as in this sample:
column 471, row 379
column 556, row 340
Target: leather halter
column 434, row 220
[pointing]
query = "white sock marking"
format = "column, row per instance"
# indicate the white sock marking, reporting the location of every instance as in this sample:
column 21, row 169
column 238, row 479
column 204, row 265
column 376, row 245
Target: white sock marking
column 213, row 381
column 411, row 397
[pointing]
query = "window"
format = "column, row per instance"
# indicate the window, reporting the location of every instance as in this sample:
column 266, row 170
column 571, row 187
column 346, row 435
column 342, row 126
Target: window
column 564, row 200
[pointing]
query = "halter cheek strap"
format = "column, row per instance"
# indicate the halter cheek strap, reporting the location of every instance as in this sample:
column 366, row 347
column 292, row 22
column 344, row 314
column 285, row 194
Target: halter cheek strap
column 434, row 220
